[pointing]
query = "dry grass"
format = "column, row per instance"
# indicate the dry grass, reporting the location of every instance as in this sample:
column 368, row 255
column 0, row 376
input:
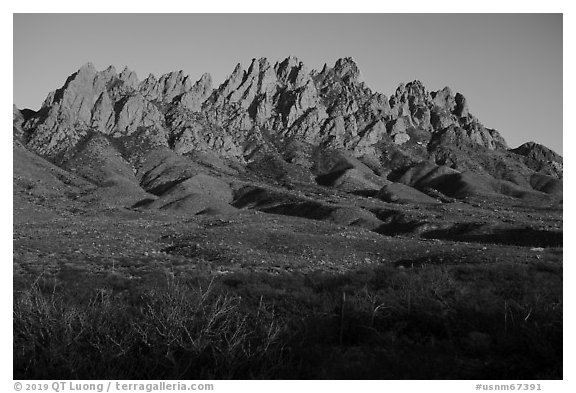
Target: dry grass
column 178, row 331
column 500, row 321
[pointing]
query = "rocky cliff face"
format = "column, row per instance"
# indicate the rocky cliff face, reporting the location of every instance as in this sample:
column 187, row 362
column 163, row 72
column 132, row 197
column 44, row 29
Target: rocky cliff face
column 541, row 159
column 265, row 110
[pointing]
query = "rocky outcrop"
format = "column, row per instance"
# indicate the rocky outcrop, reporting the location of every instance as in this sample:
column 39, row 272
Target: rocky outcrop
column 197, row 95
column 257, row 112
column 164, row 90
column 541, row 159
column 17, row 121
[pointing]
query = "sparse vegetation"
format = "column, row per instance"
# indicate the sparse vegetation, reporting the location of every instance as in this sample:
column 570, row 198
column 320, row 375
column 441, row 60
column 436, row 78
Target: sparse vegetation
column 177, row 331
column 287, row 224
column 429, row 321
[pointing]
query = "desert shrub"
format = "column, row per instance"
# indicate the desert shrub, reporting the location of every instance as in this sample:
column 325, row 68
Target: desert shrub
column 494, row 321
column 177, row 331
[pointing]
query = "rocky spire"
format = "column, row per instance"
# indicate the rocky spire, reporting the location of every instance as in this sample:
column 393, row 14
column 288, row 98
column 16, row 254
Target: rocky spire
column 166, row 88
column 347, row 69
column 329, row 107
column 195, row 97
column 129, row 78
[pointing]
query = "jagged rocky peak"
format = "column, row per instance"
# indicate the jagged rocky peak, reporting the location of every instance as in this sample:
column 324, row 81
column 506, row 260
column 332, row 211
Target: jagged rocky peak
column 129, row 78
column 205, row 81
column 412, row 101
column 232, row 82
column 461, row 105
column 444, row 99
column 86, row 85
column 292, row 72
column 229, row 86
column 347, row 69
column 80, row 92
column 413, row 92
column 165, row 88
column 87, row 68
column 92, row 100
column 198, row 94
column 260, row 78
column 111, row 71
column 343, row 77
column 255, row 108
column 267, row 78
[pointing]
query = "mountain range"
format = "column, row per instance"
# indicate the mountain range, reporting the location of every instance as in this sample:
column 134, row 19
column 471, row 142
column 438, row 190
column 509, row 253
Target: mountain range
column 173, row 142
column 288, row 223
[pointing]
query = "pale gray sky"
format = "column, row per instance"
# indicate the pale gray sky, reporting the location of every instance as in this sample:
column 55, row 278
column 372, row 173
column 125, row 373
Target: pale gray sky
column 509, row 66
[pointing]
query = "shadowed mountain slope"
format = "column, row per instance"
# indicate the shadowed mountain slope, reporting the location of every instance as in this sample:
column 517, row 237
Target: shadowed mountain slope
column 281, row 124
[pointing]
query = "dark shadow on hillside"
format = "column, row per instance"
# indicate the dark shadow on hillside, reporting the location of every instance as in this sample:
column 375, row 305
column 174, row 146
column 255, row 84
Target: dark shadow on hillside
column 439, row 321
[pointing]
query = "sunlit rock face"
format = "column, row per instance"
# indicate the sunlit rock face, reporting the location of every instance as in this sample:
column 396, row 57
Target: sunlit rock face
column 264, row 108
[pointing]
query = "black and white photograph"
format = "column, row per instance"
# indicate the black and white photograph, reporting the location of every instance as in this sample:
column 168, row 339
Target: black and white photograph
column 287, row 196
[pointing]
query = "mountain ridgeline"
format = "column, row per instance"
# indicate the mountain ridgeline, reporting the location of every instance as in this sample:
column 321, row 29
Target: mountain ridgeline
column 172, row 229
column 281, row 124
